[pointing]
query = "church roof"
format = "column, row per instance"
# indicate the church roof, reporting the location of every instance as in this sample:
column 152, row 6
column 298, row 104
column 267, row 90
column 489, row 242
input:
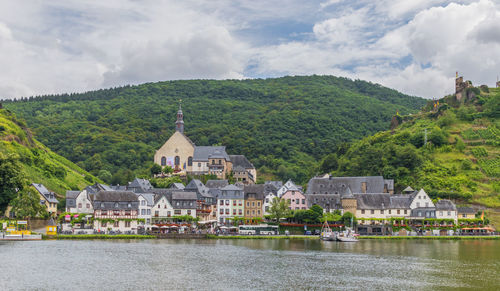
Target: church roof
column 202, row 153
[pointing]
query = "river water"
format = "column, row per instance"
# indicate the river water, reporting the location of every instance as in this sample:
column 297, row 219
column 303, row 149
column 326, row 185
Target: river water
column 249, row 265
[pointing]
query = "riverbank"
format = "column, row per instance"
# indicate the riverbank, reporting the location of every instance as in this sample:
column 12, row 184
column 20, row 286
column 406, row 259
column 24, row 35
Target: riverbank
column 97, row 236
column 292, row 237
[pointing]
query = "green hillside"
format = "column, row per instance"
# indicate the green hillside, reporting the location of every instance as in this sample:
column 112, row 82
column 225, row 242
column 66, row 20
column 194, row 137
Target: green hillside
column 284, row 125
column 461, row 159
column 38, row 163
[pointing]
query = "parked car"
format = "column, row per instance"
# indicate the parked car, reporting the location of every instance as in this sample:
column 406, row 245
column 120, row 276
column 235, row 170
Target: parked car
column 307, row 232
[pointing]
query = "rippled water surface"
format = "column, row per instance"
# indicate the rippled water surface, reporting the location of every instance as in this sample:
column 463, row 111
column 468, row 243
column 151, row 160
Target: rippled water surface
column 249, row 265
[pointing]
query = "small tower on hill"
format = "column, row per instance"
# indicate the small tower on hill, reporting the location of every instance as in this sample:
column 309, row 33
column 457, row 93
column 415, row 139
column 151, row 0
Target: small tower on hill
column 460, row 87
column 179, row 124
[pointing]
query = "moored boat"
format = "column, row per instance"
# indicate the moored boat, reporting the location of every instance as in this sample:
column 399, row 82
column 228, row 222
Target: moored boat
column 326, row 233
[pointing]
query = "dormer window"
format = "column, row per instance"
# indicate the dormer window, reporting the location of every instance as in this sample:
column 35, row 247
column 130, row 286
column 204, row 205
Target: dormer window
column 102, row 205
column 129, row 205
column 116, row 205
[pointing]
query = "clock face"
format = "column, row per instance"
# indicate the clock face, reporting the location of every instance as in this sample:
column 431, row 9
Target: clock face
column 176, row 150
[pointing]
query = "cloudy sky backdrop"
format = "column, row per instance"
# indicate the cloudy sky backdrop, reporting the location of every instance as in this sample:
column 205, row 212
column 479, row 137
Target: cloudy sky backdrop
column 63, row 46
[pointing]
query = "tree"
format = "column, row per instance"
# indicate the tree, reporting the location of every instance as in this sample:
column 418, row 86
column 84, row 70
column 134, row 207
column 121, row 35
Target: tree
column 11, row 179
column 279, row 209
column 347, row 218
column 105, row 175
column 167, row 170
column 27, row 204
column 330, row 163
column 155, row 169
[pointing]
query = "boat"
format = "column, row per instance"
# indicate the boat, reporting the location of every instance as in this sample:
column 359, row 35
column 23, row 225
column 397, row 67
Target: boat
column 326, row 233
column 348, row 235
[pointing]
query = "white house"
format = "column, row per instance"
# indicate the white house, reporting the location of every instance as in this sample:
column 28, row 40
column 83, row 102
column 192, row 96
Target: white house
column 79, row 202
column 289, row 185
column 268, row 199
column 162, row 209
column 146, row 203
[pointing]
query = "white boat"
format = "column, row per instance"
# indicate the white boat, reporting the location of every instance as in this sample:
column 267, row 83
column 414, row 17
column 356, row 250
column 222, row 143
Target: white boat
column 326, row 233
column 348, row 235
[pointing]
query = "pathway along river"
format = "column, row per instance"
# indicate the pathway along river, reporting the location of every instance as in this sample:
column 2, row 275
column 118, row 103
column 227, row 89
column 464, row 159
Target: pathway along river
column 249, row 265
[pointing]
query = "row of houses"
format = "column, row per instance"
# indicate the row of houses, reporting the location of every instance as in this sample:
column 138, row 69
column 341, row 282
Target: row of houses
column 127, row 208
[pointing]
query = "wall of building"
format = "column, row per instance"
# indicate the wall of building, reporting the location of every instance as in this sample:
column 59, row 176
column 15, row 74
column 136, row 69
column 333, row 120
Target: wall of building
column 297, row 200
column 176, row 145
column 83, row 204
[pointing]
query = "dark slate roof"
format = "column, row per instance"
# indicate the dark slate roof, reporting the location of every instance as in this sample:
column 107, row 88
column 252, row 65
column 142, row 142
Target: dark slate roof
column 241, row 161
column 338, row 185
column 445, row 204
column 118, row 187
column 373, row 201
column 216, row 184
column 202, row 153
column 258, row 189
column 466, row 210
column 167, row 195
column 275, row 184
column 149, row 197
column 239, row 169
column 178, row 195
column 140, row 184
column 49, row 196
column 214, row 192
column 408, row 189
column 72, row 194
column 400, row 201
column 327, row 201
column 347, row 193
column 231, row 187
column 197, row 186
column 179, row 186
column 116, row 196
column 99, row 187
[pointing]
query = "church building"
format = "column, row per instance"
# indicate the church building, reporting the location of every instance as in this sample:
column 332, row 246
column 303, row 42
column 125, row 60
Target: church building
column 180, row 153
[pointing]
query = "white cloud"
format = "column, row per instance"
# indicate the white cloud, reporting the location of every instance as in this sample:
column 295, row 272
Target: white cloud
column 413, row 46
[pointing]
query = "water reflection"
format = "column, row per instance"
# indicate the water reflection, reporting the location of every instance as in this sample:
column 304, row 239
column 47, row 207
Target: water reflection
column 249, row 264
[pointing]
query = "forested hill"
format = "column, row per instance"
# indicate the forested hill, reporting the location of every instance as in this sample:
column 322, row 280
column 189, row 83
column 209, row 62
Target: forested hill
column 34, row 161
column 284, row 125
column 461, row 159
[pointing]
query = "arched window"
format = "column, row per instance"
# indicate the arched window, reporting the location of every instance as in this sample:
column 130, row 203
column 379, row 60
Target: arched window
column 177, row 160
column 190, row 161
column 163, row 161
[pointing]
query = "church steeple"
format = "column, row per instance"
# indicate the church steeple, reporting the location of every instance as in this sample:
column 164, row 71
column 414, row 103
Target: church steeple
column 179, row 124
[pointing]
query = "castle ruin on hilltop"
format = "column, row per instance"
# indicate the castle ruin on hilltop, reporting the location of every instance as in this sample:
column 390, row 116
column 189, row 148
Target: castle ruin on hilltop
column 461, row 87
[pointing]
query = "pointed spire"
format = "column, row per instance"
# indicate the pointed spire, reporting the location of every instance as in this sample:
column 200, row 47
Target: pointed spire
column 179, row 124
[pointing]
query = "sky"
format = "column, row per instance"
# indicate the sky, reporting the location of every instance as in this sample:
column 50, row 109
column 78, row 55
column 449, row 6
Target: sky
column 416, row 47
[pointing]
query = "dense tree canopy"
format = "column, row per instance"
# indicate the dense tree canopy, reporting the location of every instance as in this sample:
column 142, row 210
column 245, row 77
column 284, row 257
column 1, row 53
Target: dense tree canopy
column 284, row 126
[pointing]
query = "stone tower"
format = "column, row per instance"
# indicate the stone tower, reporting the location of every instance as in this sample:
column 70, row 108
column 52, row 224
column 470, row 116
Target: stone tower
column 179, row 124
column 349, row 201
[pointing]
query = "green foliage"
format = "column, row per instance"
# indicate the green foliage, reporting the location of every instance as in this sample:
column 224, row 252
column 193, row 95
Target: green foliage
column 155, row 169
column 279, row 209
column 164, row 182
column 348, row 218
column 27, row 204
column 105, row 175
column 329, row 163
column 284, row 126
column 312, row 215
column 11, row 178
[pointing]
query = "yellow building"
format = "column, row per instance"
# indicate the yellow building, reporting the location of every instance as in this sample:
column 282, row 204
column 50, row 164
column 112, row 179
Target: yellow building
column 51, row 228
column 47, row 198
column 254, row 202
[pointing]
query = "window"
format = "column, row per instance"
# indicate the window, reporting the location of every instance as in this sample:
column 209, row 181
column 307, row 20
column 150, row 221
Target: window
column 418, row 204
column 177, row 212
column 227, row 211
column 426, row 204
column 373, row 211
column 127, row 223
column 190, row 161
column 102, row 205
column 267, row 200
column 163, row 161
column 234, row 211
column 149, row 212
column 168, row 213
column 240, row 211
column 240, row 203
column 220, row 162
column 449, row 213
column 258, row 203
column 419, row 213
column 129, row 205
column 303, row 201
column 177, row 160
column 258, row 212
column 208, row 164
column 143, row 211
column 104, row 212
column 143, row 202
column 406, row 211
column 253, row 204
column 464, row 215
column 189, row 212
column 116, row 224
column 79, row 205
column 165, row 206
column 382, row 211
column 221, row 202
column 297, row 201
column 213, row 162
column 362, row 211
column 267, row 209
column 157, row 213
column 441, row 213
column 248, row 212
column 221, row 211
column 116, row 212
column 128, row 212
column 399, row 211
column 234, row 202
column 389, row 211
column 116, row 205
column 199, row 165
column 227, row 202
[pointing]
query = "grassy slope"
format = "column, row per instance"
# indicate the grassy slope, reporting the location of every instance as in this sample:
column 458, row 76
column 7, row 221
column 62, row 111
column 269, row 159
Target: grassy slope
column 40, row 164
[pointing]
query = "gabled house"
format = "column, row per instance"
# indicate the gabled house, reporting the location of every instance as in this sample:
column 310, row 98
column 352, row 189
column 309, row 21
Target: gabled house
column 466, row 213
column 287, row 186
column 79, row 202
column 139, row 186
column 446, row 209
column 162, row 210
column 243, row 170
column 47, row 198
column 184, row 203
column 146, row 204
column 254, row 201
column 230, row 204
column 116, row 211
column 294, row 196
